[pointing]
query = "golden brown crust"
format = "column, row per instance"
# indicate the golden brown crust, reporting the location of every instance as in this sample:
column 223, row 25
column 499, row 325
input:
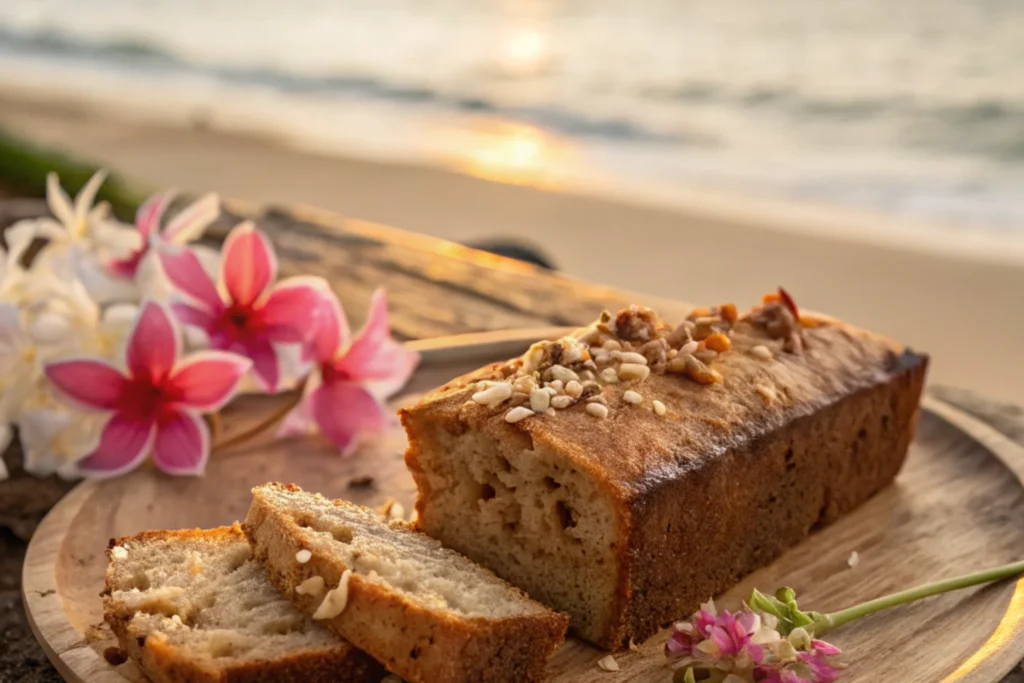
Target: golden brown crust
column 161, row 662
column 421, row 645
column 729, row 438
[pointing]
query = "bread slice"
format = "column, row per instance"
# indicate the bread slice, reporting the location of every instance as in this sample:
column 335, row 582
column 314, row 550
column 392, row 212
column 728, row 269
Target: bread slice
column 427, row 613
column 630, row 471
column 195, row 606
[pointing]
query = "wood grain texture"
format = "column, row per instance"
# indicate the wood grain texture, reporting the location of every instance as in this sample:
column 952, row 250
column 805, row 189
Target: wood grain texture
column 957, row 506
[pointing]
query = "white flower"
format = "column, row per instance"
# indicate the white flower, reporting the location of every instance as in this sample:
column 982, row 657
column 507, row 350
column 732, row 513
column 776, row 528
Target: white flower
column 5, row 440
column 55, row 437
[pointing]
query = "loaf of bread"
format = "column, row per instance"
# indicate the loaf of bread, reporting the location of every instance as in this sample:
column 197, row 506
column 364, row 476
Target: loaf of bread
column 632, row 470
column 195, row 607
column 427, row 613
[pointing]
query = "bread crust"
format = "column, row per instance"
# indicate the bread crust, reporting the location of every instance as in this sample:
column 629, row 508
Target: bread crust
column 706, row 493
column 420, row 645
column 162, row 662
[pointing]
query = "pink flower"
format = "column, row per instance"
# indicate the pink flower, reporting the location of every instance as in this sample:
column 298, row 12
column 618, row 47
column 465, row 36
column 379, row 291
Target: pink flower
column 254, row 315
column 351, row 380
column 156, row 407
column 188, row 225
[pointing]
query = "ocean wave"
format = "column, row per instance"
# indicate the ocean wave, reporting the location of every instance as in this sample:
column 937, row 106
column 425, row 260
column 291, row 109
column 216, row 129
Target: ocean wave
column 138, row 56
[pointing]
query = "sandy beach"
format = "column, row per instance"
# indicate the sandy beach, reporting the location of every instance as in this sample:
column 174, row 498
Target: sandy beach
column 959, row 305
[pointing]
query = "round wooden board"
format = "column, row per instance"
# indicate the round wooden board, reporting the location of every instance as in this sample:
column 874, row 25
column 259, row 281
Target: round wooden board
column 957, row 506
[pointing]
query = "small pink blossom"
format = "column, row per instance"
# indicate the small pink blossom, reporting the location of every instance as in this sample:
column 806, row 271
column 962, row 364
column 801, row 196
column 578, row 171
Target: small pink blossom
column 157, row 405
column 351, row 380
column 746, row 646
column 184, row 227
column 247, row 314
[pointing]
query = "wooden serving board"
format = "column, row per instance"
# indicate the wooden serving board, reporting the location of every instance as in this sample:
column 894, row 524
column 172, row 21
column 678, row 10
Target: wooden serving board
column 957, row 506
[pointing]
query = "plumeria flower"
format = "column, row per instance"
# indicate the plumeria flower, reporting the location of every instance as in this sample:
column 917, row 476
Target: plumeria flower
column 350, row 380
column 245, row 312
column 75, row 218
column 185, row 227
column 746, row 647
column 157, row 405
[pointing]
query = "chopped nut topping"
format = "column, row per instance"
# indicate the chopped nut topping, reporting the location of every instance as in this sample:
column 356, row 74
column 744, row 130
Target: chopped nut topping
column 562, row 373
column 336, row 600
column 767, row 393
column 598, row 399
column 118, row 553
column 597, row 410
column 608, row 663
column 524, row 384
column 658, row 407
column 558, row 385
column 630, row 396
column 574, row 389
column 689, row 347
column 636, row 323
column 313, row 586
column 493, row 395
column 590, row 388
column 517, row 414
column 729, row 313
column 761, row 351
column 630, row 357
column 705, row 355
column 718, row 342
column 682, row 334
column 562, row 402
column 303, row 556
column 539, row 400
column 612, row 345
column 694, row 369
column 609, row 376
column 629, row 371
column 586, row 376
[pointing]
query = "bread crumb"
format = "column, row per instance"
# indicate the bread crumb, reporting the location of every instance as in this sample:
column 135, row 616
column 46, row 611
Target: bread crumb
column 313, row 586
column 597, row 410
column 336, row 599
column 119, row 553
column 303, row 556
column 853, row 560
column 608, row 663
column 761, row 351
column 633, row 397
column 659, row 407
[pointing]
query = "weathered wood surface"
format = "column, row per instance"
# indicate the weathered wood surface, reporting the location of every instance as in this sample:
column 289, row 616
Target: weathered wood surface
column 435, row 288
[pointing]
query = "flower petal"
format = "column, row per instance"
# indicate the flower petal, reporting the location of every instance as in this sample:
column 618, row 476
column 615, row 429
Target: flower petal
column 6, row 434
column 265, row 364
column 154, row 344
column 206, row 380
column 291, row 311
column 147, row 218
column 192, row 221
column 374, row 357
column 182, row 444
column 87, row 382
column 249, row 264
column 187, row 276
column 331, row 331
column 58, row 201
column 299, row 422
column 127, row 267
column 196, row 317
column 344, row 410
column 85, row 198
column 123, row 446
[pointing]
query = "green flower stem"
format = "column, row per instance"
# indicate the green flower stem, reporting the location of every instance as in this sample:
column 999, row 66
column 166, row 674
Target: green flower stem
column 827, row 622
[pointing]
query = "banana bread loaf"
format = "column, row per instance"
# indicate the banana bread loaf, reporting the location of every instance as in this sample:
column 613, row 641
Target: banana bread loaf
column 630, row 471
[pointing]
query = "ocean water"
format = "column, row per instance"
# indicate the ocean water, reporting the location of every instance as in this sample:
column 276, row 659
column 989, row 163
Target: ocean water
column 914, row 108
